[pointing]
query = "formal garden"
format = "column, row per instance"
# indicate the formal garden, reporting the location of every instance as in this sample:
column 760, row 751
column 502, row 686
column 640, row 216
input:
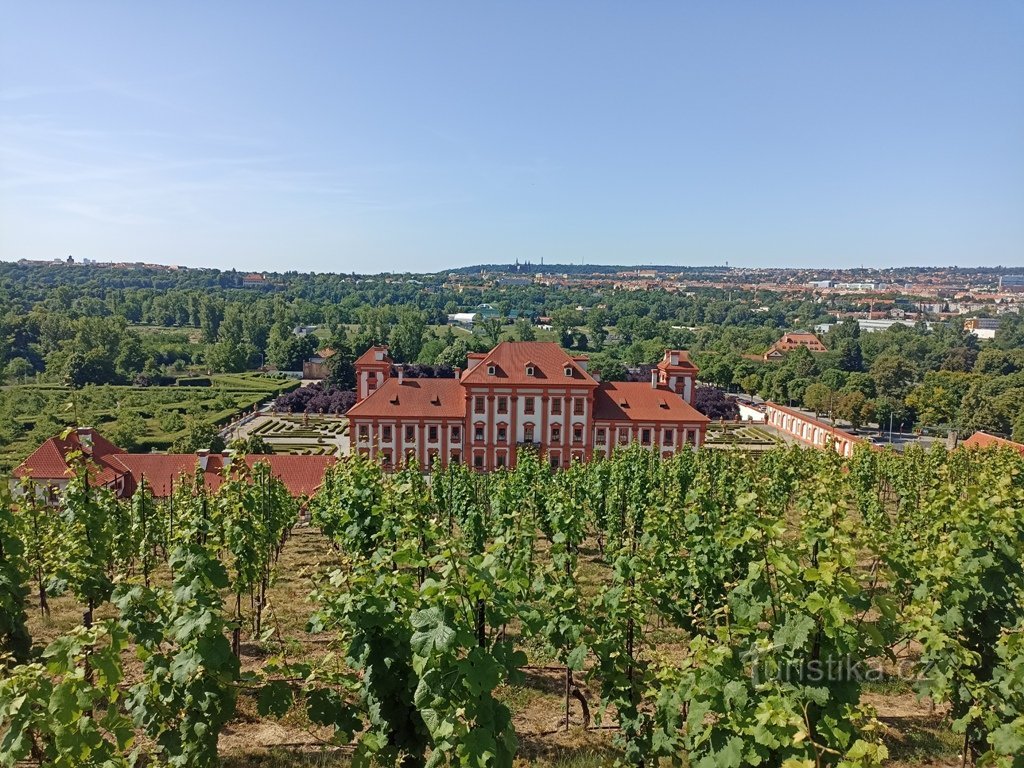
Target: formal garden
column 138, row 419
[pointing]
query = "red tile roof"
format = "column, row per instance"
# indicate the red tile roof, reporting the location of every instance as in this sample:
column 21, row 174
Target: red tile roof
column 685, row 362
column 301, row 475
column 831, row 428
column 369, row 357
column 413, row 398
column 639, row 401
column 510, row 359
column 985, row 440
column 50, row 460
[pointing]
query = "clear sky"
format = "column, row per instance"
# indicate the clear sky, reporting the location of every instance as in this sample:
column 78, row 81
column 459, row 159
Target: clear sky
column 373, row 136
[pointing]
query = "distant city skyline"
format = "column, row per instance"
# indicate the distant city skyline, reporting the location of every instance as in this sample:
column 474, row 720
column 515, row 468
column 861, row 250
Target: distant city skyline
column 408, row 137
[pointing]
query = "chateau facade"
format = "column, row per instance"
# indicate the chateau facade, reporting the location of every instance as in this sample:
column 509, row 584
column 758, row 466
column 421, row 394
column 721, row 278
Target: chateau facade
column 520, row 394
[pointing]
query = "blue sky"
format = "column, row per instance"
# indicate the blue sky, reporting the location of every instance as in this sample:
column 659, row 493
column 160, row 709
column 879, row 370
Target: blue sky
column 380, row 136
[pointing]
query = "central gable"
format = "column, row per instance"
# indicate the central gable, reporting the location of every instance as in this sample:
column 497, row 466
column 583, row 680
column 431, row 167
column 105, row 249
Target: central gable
column 526, row 363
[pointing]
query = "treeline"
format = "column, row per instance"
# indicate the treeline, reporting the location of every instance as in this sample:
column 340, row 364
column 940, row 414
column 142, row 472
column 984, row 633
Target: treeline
column 943, row 378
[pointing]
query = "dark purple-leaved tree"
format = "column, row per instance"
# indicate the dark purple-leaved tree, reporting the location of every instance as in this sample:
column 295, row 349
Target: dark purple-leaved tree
column 713, row 403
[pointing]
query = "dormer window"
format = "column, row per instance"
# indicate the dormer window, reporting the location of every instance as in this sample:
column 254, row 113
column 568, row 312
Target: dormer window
column 530, row 370
column 568, row 371
column 491, row 370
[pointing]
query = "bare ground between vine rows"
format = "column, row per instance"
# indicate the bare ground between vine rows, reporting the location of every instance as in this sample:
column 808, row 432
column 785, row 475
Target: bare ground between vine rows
column 917, row 737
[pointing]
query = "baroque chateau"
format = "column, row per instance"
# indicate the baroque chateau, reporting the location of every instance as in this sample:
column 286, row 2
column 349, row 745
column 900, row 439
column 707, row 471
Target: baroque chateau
column 520, row 394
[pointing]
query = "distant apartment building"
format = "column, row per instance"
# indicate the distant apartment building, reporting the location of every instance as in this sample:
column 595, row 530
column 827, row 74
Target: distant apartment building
column 1011, row 283
column 520, row 394
column 982, row 327
column 872, row 325
column 864, row 286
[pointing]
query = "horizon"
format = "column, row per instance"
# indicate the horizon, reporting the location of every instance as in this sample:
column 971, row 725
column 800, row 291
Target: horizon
column 405, row 139
column 998, row 268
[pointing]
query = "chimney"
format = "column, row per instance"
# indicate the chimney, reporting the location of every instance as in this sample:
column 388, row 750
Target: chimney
column 654, row 378
column 85, row 440
column 401, row 374
column 458, row 372
column 204, row 458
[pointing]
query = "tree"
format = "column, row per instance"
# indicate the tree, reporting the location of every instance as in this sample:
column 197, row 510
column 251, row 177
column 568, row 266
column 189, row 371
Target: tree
column 849, row 355
column 936, row 400
column 286, row 351
column 341, row 369
column 524, row 330
column 893, row 376
column 18, row 370
column 751, row 383
column 712, row 402
column 855, row 408
column 406, row 338
column 491, row 329
column 612, row 370
column 253, row 444
column 232, row 351
column 199, row 435
column 819, row 398
column 127, row 430
column 454, row 355
column 76, row 374
column 719, row 371
column 833, row 378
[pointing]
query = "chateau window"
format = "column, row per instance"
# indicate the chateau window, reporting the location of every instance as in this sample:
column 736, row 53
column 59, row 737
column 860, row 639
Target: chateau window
column 530, row 370
column 528, row 405
column 410, row 434
column 478, row 461
column 600, row 436
column 385, row 458
column 577, row 434
column 623, row 437
column 478, row 404
column 491, row 370
column 455, row 457
column 556, row 406
column 500, row 459
column 385, row 434
column 456, row 434
column 667, row 437
column 577, row 406
column 364, row 432
column 555, row 461
column 478, row 434
column 371, row 381
column 568, row 371
column 502, row 405
column 645, row 436
column 556, row 434
column 432, row 434
column 528, row 433
column 502, row 434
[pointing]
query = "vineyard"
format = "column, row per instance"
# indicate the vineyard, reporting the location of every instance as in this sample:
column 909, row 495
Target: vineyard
column 717, row 608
